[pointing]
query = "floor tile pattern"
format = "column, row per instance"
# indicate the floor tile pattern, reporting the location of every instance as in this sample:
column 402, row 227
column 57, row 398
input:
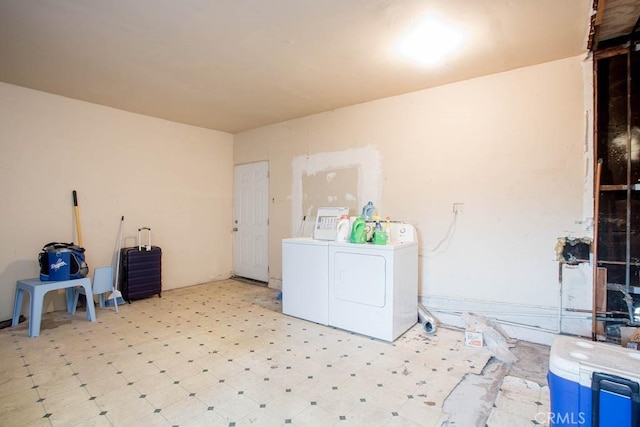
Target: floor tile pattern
column 520, row 403
column 221, row 354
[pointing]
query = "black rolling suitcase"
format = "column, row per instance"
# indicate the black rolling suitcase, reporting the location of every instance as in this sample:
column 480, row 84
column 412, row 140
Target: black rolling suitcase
column 141, row 268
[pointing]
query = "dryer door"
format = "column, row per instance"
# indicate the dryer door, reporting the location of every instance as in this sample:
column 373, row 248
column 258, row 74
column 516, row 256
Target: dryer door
column 360, row 292
column 360, row 279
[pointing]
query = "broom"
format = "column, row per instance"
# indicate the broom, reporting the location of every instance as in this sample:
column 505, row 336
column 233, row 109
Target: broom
column 115, row 299
column 76, row 210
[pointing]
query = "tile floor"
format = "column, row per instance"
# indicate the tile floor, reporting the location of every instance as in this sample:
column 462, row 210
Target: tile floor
column 222, row 354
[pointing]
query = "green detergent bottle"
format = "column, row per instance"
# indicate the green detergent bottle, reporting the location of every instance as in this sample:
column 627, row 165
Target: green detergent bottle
column 359, row 231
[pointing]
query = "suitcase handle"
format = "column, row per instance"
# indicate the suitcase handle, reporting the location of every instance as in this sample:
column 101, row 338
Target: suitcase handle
column 617, row 385
column 148, row 246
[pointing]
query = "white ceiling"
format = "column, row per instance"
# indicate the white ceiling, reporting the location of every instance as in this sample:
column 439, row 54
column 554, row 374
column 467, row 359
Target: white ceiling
column 233, row 65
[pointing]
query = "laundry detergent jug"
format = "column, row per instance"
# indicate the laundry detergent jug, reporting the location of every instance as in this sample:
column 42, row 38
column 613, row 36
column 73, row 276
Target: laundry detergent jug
column 343, row 229
column 359, row 231
column 368, row 211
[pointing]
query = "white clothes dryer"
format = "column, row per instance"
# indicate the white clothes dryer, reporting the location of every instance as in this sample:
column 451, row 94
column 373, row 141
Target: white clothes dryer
column 373, row 289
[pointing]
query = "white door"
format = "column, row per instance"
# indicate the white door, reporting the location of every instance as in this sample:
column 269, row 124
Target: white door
column 251, row 221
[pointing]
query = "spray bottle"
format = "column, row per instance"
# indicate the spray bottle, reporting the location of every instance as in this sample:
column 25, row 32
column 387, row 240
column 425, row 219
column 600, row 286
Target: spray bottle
column 387, row 228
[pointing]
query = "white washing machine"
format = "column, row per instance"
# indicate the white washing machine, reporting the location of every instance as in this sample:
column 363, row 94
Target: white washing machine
column 305, row 279
column 373, row 289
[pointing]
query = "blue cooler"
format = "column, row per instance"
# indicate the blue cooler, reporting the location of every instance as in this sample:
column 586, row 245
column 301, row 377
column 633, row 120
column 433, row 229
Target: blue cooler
column 593, row 384
column 59, row 265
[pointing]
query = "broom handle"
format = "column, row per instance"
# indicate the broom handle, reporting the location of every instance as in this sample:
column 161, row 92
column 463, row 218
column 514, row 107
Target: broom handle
column 116, row 284
column 77, row 212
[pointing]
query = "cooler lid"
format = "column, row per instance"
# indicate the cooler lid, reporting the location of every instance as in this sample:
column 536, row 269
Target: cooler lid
column 575, row 359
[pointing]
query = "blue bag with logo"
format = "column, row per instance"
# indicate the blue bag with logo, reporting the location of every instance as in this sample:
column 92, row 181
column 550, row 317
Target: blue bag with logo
column 62, row 261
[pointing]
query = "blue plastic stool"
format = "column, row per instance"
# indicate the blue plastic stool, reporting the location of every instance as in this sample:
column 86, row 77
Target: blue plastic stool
column 37, row 289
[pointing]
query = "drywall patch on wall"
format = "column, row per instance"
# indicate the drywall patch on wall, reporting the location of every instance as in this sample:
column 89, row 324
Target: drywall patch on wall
column 325, row 188
column 349, row 177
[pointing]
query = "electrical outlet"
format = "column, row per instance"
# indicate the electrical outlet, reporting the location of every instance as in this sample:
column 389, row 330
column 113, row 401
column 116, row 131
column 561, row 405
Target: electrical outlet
column 457, row 208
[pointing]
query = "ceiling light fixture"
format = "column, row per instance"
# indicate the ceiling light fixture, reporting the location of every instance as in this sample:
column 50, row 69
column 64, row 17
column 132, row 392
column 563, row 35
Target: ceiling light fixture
column 431, row 41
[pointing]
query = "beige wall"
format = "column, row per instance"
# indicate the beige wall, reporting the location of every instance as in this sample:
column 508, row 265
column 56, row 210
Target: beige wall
column 174, row 178
column 510, row 147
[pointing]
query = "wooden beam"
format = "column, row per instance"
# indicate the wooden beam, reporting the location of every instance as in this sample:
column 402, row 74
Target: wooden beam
column 612, row 51
column 600, row 11
column 600, row 302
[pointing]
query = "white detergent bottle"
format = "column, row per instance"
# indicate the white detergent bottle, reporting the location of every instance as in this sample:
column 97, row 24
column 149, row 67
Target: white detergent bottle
column 343, row 229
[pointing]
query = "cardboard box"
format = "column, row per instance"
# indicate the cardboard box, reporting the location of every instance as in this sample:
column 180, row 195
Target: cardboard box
column 473, row 338
column 629, row 335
